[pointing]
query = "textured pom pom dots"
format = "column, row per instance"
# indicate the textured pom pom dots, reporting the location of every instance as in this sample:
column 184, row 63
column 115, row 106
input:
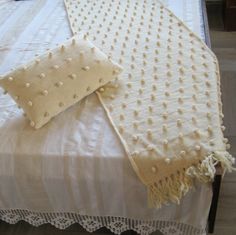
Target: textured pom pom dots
column 58, row 79
column 167, row 96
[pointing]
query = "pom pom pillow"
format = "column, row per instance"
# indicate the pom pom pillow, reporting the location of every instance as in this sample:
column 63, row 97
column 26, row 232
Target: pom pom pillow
column 58, row 79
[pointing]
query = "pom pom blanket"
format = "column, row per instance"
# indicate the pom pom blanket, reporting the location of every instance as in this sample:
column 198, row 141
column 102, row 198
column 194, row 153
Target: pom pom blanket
column 165, row 106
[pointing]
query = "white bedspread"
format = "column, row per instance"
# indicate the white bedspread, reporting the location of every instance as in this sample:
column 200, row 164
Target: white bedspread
column 76, row 162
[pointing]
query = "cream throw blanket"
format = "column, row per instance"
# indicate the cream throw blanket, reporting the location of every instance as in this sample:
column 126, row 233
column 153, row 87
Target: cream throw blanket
column 165, row 106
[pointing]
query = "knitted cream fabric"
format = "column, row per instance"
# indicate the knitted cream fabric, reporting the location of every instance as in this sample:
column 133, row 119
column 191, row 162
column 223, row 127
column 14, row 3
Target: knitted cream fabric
column 165, row 106
column 58, row 79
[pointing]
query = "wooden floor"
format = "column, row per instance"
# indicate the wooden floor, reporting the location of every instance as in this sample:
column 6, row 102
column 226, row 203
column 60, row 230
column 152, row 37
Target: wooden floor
column 224, row 45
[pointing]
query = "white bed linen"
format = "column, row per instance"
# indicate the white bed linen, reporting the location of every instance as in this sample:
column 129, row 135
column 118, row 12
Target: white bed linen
column 76, row 162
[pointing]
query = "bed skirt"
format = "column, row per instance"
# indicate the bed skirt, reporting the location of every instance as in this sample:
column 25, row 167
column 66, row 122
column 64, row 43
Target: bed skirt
column 116, row 225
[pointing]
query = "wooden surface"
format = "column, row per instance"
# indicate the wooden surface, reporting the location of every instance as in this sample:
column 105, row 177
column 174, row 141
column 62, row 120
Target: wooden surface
column 224, row 46
column 230, row 15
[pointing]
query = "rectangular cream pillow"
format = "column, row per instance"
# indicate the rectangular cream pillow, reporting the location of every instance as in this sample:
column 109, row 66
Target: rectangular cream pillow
column 58, row 79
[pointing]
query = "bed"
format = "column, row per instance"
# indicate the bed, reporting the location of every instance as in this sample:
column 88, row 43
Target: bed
column 67, row 172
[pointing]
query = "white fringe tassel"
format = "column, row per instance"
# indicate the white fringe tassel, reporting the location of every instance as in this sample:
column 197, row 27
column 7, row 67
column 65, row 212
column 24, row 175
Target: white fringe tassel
column 173, row 188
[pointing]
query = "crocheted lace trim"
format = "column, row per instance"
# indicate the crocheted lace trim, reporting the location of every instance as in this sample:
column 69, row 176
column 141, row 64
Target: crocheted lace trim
column 116, row 225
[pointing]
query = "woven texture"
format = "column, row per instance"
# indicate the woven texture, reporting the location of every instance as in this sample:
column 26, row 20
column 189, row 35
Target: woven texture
column 58, row 79
column 165, row 106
